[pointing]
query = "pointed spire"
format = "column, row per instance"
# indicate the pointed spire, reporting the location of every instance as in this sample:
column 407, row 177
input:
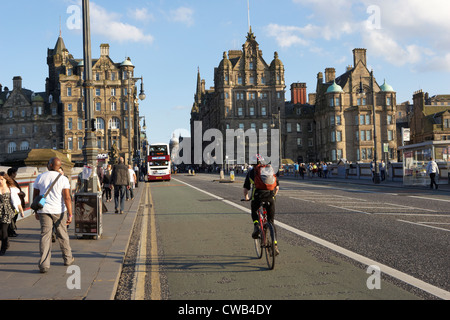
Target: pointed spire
column 198, row 94
column 60, row 46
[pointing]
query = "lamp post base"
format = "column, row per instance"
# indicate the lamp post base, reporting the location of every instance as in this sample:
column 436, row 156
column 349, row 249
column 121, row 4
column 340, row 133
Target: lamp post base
column 376, row 178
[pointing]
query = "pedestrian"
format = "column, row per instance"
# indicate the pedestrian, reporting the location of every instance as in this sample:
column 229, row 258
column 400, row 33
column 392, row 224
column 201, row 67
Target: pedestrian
column 12, row 173
column 315, row 169
column 120, row 179
column 347, row 169
column 372, row 169
column 107, row 183
column 9, row 203
column 136, row 172
column 130, row 192
column 383, row 170
column 56, row 213
column 325, row 170
column 432, row 171
column 302, row 170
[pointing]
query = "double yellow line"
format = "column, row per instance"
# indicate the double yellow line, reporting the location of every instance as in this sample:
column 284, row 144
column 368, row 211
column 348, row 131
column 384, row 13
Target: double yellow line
column 142, row 267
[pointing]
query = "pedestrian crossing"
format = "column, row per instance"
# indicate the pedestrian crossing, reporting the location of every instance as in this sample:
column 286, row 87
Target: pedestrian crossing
column 352, row 204
column 348, row 204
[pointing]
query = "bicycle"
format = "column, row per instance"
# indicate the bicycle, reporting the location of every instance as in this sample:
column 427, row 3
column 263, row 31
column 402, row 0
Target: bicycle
column 266, row 240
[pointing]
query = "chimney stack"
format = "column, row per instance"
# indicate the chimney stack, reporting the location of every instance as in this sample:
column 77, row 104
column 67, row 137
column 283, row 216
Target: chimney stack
column 17, row 83
column 330, row 74
column 298, row 93
column 359, row 55
column 104, row 49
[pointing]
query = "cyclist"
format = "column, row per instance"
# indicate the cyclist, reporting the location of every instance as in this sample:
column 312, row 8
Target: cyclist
column 265, row 186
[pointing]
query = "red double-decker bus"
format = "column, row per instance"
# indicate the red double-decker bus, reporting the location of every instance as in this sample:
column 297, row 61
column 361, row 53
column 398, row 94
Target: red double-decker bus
column 159, row 163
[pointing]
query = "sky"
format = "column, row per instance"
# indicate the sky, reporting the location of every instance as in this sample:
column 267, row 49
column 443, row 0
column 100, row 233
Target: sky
column 407, row 42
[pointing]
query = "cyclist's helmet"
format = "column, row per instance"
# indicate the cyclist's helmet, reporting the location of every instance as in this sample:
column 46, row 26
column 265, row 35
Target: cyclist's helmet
column 258, row 159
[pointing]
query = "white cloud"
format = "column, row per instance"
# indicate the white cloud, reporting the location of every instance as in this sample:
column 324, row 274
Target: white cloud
column 381, row 44
column 182, row 15
column 286, row 36
column 331, row 21
column 141, row 14
column 403, row 32
column 108, row 24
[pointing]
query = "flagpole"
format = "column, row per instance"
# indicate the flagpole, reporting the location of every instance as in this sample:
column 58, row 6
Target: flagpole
column 248, row 9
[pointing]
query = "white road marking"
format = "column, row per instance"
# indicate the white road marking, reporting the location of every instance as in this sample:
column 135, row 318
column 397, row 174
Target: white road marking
column 422, row 224
column 438, row 292
column 427, row 198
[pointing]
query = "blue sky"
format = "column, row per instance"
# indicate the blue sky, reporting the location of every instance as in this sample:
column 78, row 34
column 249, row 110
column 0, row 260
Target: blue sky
column 408, row 43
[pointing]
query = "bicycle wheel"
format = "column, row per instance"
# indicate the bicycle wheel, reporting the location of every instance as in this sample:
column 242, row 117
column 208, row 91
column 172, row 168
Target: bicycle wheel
column 270, row 246
column 258, row 247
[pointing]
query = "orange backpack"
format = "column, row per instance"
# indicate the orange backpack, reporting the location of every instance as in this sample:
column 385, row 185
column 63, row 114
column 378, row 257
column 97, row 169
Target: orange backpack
column 265, row 178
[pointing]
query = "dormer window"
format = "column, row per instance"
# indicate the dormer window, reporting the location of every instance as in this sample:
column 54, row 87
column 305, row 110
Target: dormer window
column 446, row 123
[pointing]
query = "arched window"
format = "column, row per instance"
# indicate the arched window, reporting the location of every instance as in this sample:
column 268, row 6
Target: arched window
column 100, row 124
column 24, row 146
column 114, row 124
column 12, row 147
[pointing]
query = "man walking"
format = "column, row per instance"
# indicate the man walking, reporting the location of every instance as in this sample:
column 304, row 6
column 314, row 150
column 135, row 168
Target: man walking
column 130, row 193
column 432, row 170
column 120, row 179
column 383, row 170
column 56, row 213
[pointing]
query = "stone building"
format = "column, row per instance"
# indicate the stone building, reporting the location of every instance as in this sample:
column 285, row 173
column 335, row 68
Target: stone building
column 430, row 119
column 55, row 119
column 115, row 101
column 299, row 145
column 344, row 114
column 28, row 120
column 337, row 122
column 248, row 93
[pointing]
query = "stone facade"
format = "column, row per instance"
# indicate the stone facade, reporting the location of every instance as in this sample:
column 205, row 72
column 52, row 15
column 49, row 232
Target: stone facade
column 431, row 118
column 115, row 100
column 55, row 119
column 337, row 123
column 344, row 114
column 248, row 93
column 28, row 120
column 299, row 145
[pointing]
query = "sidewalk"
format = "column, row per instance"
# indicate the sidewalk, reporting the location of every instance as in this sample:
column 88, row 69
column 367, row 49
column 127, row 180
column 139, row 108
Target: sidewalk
column 99, row 261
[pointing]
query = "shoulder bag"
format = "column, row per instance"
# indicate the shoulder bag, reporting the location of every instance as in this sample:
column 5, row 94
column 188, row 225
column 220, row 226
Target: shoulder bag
column 39, row 202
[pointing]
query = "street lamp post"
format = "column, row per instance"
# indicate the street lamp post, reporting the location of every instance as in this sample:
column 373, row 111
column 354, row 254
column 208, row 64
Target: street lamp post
column 90, row 149
column 280, row 155
column 142, row 97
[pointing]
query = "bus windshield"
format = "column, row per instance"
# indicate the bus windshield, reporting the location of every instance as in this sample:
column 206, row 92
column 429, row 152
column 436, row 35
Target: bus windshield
column 162, row 163
column 158, row 151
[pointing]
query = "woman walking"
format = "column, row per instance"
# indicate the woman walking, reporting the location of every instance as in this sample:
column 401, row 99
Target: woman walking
column 9, row 201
